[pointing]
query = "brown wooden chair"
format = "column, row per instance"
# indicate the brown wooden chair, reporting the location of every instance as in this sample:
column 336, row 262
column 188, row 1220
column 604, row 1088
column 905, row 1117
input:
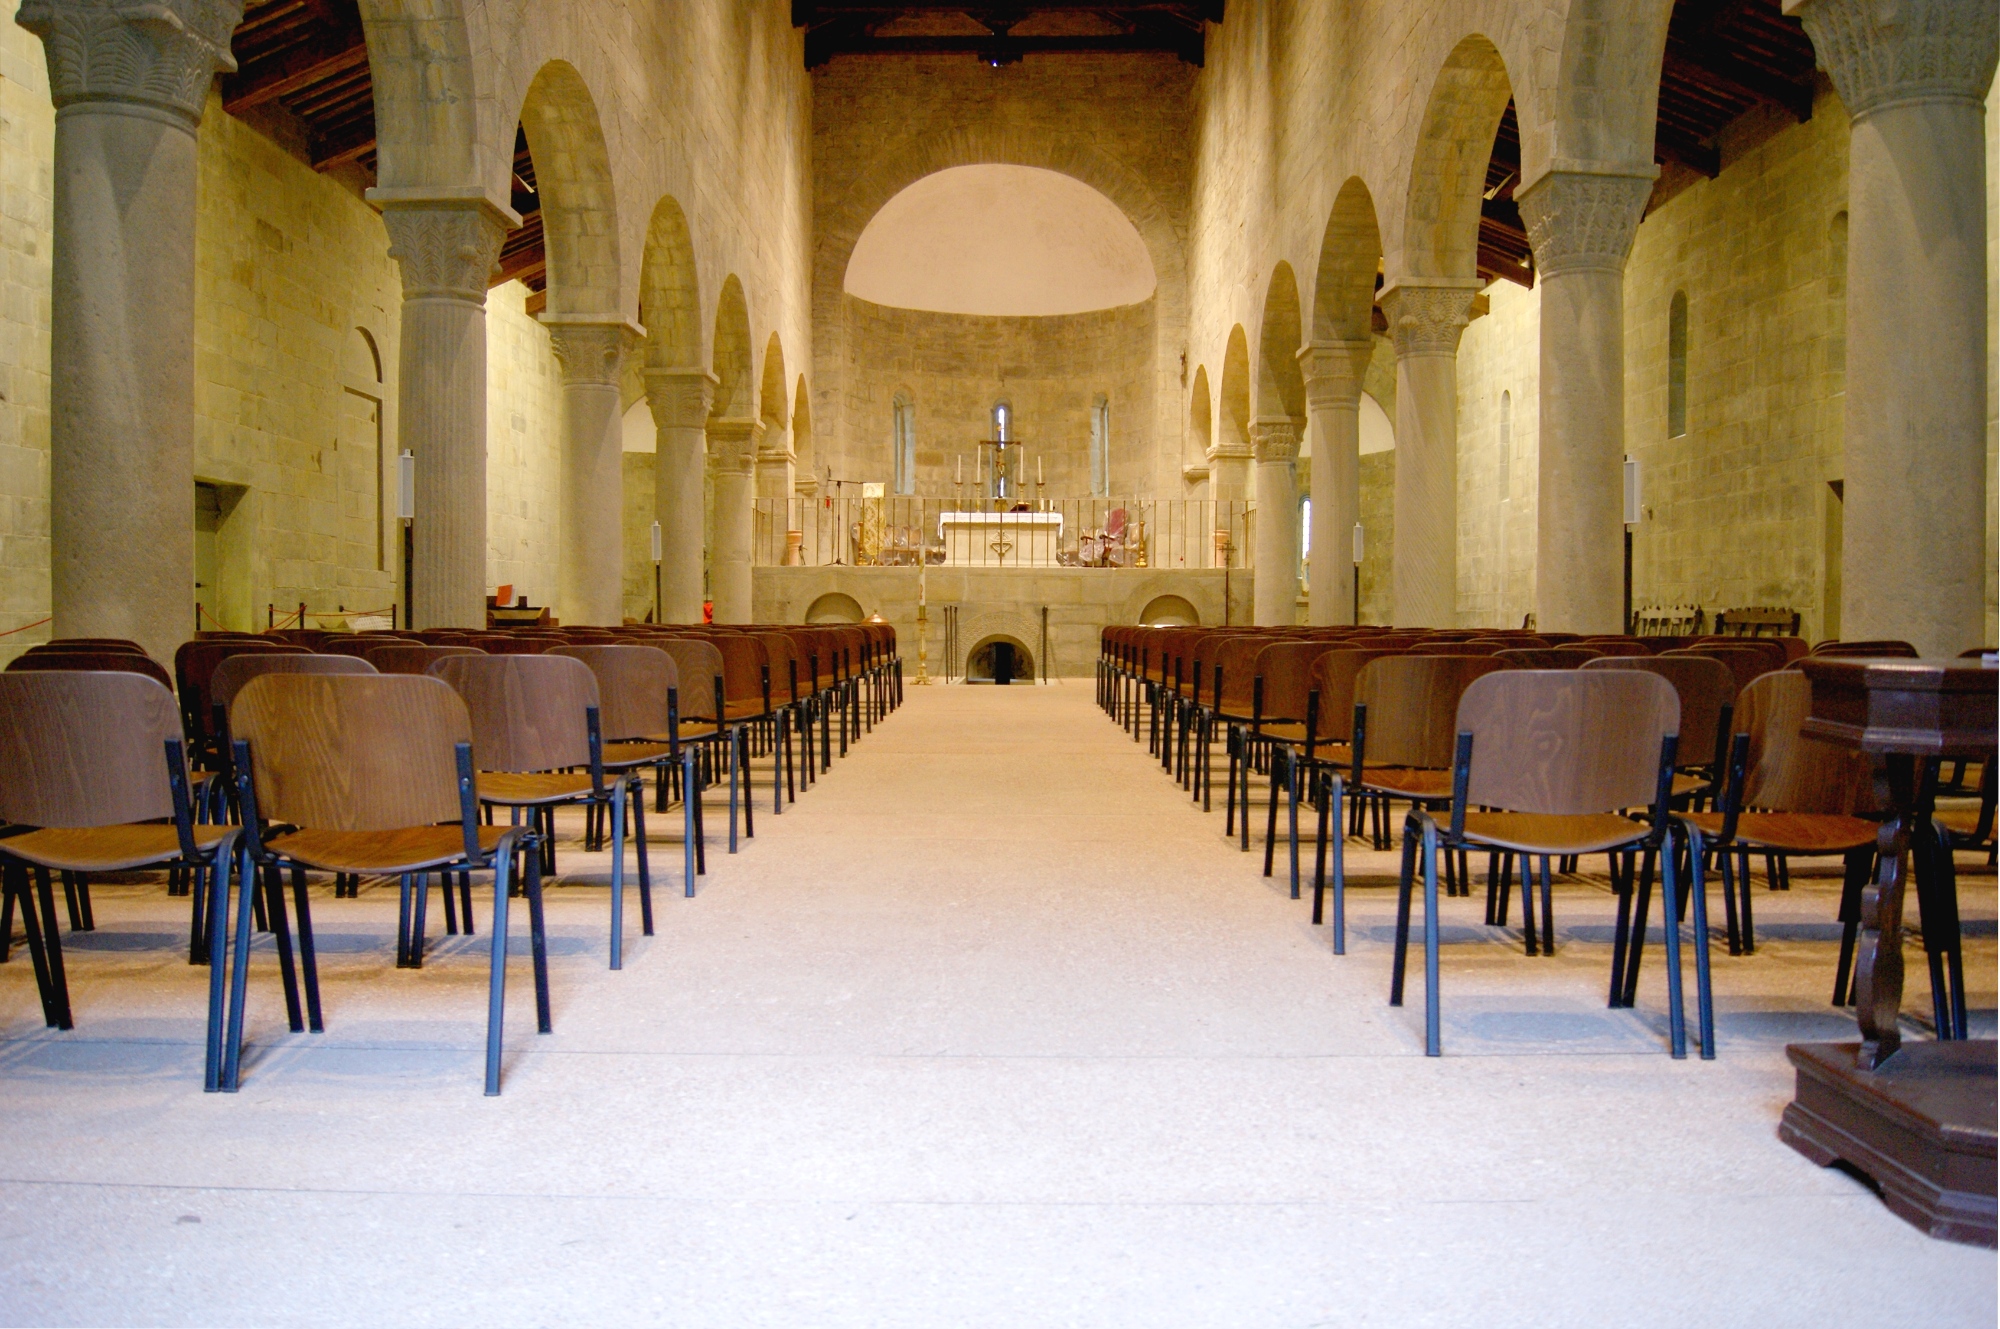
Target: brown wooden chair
column 91, row 661
column 413, row 657
column 1745, row 664
column 538, row 743
column 1405, row 708
column 1632, row 646
column 1707, row 692
column 90, row 643
column 1879, row 647
column 371, row 776
column 703, row 712
column 86, row 792
column 1540, row 657
column 1545, row 762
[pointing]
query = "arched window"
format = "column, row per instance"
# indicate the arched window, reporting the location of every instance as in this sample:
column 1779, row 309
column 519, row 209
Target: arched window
column 1506, row 445
column 1100, row 447
column 905, row 444
column 1677, row 366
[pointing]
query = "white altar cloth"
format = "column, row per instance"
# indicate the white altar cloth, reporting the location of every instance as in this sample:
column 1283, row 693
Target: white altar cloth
column 1000, row 539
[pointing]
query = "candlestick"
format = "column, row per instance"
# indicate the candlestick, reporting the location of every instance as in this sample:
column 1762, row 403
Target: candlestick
column 960, row 479
column 1038, row 468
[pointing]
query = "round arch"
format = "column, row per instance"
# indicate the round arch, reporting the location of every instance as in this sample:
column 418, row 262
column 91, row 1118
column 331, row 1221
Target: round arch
column 1232, row 423
column 670, row 290
column 579, row 200
column 1350, row 257
column 773, row 407
column 1440, row 233
column 731, row 363
column 835, row 607
column 1281, row 387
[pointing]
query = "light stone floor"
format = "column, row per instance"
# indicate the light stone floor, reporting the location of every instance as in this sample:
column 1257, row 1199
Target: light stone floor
column 990, row 1028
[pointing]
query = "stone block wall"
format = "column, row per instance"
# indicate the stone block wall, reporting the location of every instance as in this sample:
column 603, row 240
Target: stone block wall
column 1499, row 357
column 523, row 448
column 27, row 150
column 954, row 367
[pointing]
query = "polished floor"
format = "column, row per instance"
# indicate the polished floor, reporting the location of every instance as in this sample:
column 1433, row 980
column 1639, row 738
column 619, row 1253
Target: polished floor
column 991, row 1027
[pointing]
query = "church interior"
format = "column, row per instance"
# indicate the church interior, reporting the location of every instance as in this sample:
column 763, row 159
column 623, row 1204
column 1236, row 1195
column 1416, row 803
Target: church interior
column 1442, row 448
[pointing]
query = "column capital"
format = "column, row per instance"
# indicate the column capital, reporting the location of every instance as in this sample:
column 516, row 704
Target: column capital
column 447, row 246
column 591, row 350
column 1583, row 222
column 680, row 398
column 1222, row 450
column 733, row 442
column 1333, row 371
column 1427, row 315
column 1274, row 438
column 1886, row 52
column 155, row 54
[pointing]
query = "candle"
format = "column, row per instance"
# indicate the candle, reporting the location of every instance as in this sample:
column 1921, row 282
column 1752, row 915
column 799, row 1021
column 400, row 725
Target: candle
column 961, row 469
column 1038, row 468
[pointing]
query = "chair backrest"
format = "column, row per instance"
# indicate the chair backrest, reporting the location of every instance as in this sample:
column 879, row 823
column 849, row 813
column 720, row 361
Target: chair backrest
column 412, row 657
column 527, row 710
column 1897, row 649
column 698, row 664
column 1567, row 742
column 633, row 683
column 358, row 643
column 1746, row 665
column 1412, row 703
column 94, row 643
column 783, row 654
column 113, row 661
column 1286, row 668
column 85, row 748
column 343, row 752
column 1632, row 646
column 233, row 674
column 1789, row 772
column 1333, row 676
column 743, row 662
column 1704, row 687
column 1541, row 657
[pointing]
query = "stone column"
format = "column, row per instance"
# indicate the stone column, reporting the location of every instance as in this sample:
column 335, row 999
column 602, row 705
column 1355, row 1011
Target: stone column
column 732, row 445
column 680, row 400
column 128, row 81
column 446, row 247
column 1274, row 441
column 777, row 465
column 1913, row 75
column 1426, row 317
column 592, row 568
column 1581, row 229
column 1333, row 372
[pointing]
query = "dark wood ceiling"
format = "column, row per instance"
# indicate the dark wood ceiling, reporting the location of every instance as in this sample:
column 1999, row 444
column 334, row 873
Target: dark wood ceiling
column 306, row 60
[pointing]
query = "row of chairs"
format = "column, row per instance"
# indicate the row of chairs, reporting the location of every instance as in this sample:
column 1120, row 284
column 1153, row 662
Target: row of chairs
column 320, row 761
column 1354, row 720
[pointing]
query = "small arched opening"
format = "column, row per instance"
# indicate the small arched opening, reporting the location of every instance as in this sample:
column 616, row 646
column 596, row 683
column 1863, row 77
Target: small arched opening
column 834, row 607
column 1169, row 611
column 999, row 659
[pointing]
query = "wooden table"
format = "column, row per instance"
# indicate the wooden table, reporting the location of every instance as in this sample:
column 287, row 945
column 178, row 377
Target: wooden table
column 1917, row 1120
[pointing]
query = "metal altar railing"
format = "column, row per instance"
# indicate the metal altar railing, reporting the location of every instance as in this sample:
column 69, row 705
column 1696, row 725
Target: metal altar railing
column 901, row 530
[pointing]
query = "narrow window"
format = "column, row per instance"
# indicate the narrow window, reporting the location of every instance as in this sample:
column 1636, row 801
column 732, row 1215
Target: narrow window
column 1003, row 421
column 1100, row 447
column 1677, row 366
column 905, row 444
column 1506, row 445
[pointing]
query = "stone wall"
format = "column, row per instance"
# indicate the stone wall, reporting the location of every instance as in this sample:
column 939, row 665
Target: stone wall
column 27, row 151
column 954, row 367
column 523, row 448
column 1499, row 354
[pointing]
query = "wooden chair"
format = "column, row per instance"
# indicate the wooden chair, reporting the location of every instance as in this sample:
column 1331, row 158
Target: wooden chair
column 538, row 744
column 371, row 776
column 412, row 657
column 1881, row 647
column 195, row 663
column 1405, row 707
column 1544, row 764
column 91, row 661
column 698, row 664
column 1541, row 657
column 1632, row 646
column 1745, row 665
column 86, row 792
column 1707, row 692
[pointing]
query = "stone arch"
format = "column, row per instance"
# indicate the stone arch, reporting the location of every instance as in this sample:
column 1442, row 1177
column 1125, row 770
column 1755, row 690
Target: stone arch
column 364, row 358
column 1607, row 89
column 731, row 352
column 802, row 435
column 1017, row 625
column 773, row 406
column 835, row 607
column 978, row 661
column 1440, row 236
column 1350, row 257
column 579, row 202
column 1232, row 424
column 670, row 290
column 1170, row 611
column 1281, row 387
column 1201, row 414
column 429, row 93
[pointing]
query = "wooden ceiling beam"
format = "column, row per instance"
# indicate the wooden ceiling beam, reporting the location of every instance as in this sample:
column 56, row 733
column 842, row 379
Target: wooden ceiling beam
column 1713, row 69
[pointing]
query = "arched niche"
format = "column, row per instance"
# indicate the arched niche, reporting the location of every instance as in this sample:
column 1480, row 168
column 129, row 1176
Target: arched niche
column 835, row 607
column 1169, row 611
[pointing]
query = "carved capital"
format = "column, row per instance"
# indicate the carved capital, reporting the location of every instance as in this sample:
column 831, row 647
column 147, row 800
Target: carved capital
column 160, row 54
column 1274, row 438
column 680, row 398
column 1333, row 372
column 1578, row 222
column 1885, row 52
column 733, row 443
column 591, row 352
column 446, row 249
column 1427, row 318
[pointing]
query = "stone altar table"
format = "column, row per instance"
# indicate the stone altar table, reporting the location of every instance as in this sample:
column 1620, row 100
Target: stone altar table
column 1000, row 539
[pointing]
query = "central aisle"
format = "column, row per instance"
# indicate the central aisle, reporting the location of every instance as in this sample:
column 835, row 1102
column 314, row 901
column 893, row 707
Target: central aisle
column 990, row 1028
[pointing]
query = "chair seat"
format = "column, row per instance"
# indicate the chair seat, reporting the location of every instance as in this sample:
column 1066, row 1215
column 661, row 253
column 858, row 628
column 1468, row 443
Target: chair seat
column 743, row 710
column 641, row 752
column 1685, row 784
column 1407, row 782
column 523, row 789
column 1794, row 832
column 407, row 849
column 1540, row 833
column 105, row 848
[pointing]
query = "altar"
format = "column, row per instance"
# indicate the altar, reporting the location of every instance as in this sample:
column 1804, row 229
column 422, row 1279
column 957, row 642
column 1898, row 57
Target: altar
column 1001, row 539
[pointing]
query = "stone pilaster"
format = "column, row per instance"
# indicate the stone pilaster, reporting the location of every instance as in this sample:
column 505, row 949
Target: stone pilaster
column 1274, row 442
column 591, row 577
column 732, row 452
column 128, row 81
column 446, row 249
column 1581, row 229
column 1426, row 318
column 1913, row 75
column 1333, row 372
column 777, row 464
column 680, row 400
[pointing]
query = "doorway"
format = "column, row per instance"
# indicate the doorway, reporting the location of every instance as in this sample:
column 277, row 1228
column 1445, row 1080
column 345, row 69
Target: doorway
column 221, row 557
column 1831, row 535
column 999, row 660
